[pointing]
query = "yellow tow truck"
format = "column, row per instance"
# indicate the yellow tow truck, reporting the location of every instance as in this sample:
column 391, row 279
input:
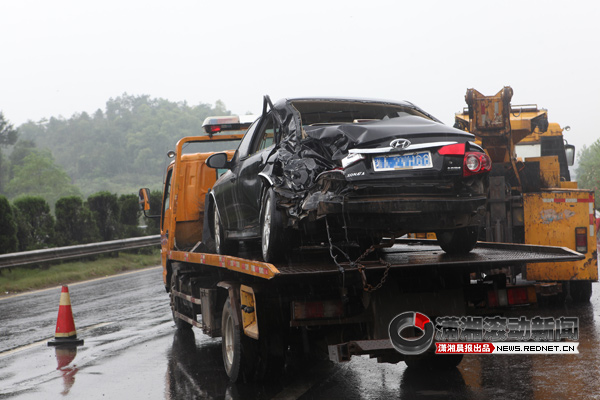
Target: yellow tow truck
column 311, row 303
column 532, row 198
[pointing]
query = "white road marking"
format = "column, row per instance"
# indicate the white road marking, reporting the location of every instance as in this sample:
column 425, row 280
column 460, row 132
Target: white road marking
column 32, row 345
column 77, row 283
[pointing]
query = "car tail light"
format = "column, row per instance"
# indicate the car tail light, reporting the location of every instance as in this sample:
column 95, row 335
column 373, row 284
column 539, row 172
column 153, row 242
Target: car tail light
column 517, row 296
column 497, row 298
column 317, row 309
column 581, row 244
column 512, row 296
column 475, row 163
column 457, row 149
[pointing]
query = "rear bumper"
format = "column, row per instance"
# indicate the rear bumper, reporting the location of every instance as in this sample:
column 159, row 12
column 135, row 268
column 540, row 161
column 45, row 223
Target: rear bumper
column 405, row 214
column 388, row 205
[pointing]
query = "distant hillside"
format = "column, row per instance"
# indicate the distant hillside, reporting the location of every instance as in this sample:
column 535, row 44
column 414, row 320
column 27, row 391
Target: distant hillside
column 123, row 147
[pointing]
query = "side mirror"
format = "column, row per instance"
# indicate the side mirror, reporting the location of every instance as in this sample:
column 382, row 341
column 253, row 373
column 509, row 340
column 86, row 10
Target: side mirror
column 570, row 153
column 144, row 196
column 218, row 161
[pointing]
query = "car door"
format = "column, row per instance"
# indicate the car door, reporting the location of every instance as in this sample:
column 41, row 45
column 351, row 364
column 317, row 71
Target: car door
column 249, row 186
column 225, row 187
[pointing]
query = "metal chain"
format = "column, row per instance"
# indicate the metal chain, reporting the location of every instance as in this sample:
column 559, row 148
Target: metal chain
column 367, row 287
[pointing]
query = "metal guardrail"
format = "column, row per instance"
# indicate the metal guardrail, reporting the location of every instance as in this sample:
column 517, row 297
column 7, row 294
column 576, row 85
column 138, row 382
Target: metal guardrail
column 78, row 251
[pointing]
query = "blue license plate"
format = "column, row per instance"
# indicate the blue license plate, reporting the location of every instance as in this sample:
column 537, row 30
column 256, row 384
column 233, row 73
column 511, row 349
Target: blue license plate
column 417, row 160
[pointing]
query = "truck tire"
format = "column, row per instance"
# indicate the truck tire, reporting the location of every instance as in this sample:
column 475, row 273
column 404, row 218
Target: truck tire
column 178, row 306
column 222, row 246
column 271, row 356
column 581, row 291
column 274, row 241
column 235, row 346
column 458, row 241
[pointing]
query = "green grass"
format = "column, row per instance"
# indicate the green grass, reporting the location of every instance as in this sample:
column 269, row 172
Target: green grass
column 22, row 279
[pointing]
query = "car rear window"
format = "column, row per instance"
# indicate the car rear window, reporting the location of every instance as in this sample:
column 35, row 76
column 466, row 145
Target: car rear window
column 335, row 112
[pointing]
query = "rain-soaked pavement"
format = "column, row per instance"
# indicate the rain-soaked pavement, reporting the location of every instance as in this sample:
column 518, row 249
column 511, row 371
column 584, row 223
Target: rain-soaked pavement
column 132, row 350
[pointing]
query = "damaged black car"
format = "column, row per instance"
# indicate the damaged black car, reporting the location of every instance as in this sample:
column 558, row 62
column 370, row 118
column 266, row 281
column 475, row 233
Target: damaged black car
column 315, row 171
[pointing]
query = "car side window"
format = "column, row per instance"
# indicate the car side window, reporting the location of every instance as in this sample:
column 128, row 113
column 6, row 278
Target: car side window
column 265, row 137
column 244, row 147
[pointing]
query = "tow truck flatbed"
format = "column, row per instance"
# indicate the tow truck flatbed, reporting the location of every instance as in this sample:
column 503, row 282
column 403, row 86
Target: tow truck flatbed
column 406, row 253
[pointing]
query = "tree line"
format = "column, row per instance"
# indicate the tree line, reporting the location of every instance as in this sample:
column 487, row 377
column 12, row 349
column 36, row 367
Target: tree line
column 29, row 224
column 49, row 167
column 588, row 170
column 118, row 149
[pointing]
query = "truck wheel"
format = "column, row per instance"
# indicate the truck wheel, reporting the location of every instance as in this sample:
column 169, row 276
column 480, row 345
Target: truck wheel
column 236, row 347
column 434, row 361
column 271, row 357
column 459, row 241
column 222, row 245
column 178, row 306
column 581, row 291
column 274, row 241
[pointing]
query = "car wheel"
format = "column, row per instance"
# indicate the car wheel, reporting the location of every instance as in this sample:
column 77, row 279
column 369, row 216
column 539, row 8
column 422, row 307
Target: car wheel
column 222, row 246
column 459, row 241
column 274, row 240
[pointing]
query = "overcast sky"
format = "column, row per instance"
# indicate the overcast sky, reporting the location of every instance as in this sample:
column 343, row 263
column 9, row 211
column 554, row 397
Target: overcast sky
column 64, row 57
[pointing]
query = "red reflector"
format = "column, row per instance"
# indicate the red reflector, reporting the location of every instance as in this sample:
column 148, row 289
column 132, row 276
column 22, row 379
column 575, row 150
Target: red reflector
column 457, row 149
column 581, row 244
column 486, row 163
column 317, row 309
column 517, row 296
column 492, row 299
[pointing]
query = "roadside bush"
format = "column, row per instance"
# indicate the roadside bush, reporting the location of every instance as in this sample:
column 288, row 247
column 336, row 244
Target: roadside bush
column 105, row 208
column 8, row 228
column 35, row 223
column 129, row 216
column 75, row 222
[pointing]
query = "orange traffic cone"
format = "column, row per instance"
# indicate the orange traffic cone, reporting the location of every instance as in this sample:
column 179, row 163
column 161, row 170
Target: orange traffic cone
column 65, row 325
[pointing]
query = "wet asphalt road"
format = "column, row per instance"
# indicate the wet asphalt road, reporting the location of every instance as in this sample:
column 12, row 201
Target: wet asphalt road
column 132, row 351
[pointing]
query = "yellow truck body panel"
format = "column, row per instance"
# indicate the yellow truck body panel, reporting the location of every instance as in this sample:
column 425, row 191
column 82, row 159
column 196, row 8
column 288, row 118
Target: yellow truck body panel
column 551, row 218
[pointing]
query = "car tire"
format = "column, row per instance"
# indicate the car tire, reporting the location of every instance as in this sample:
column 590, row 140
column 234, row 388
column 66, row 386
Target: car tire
column 221, row 245
column 274, row 239
column 459, row 241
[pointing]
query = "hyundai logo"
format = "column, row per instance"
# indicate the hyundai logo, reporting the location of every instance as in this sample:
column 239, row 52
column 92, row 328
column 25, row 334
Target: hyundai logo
column 400, row 143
